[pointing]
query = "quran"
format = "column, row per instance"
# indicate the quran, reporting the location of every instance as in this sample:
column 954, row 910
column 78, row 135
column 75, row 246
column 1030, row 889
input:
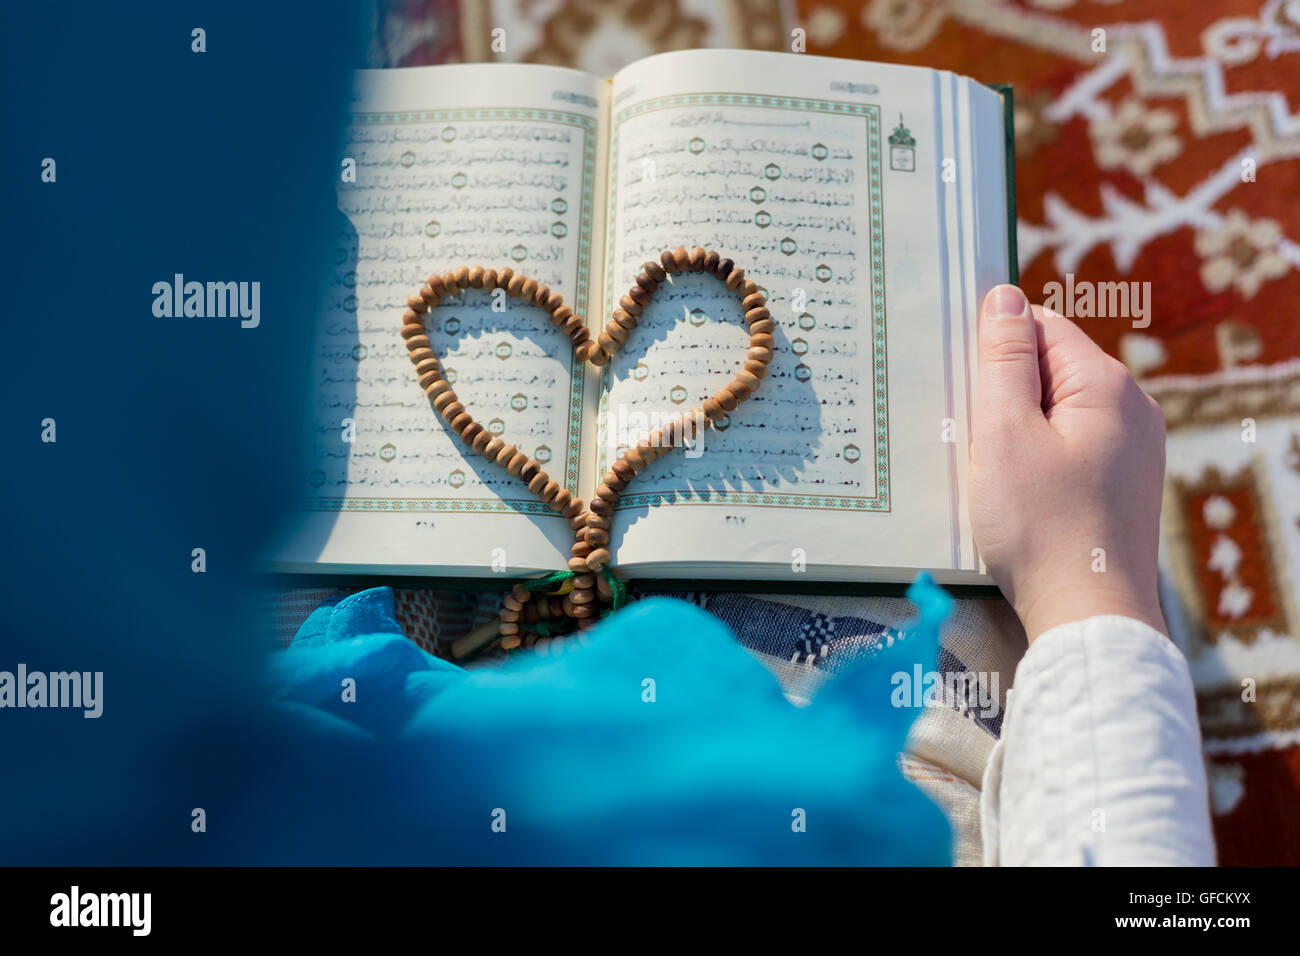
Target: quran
column 870, row 203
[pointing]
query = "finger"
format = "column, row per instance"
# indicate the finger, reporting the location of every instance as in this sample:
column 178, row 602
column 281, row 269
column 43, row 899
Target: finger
column 1009, row 380
column 1060, row 335
column 1069, row 361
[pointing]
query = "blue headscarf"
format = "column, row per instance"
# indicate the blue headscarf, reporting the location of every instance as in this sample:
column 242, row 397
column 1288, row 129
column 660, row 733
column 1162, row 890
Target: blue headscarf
column 661, row 741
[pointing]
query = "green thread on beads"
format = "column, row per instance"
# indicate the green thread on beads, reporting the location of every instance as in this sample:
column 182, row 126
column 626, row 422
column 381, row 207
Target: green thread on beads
column 553, row 580
column 548, row 582
column 617, row 587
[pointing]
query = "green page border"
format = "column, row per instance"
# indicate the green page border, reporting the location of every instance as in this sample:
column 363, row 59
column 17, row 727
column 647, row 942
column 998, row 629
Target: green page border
column 871, row 113
column 529, row 505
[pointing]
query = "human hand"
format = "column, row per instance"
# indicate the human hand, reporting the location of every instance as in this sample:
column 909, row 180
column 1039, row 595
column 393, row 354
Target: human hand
column 1067, row 457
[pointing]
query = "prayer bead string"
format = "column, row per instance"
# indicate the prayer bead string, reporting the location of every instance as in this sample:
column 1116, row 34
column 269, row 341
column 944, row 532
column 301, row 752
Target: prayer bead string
column 589, row 587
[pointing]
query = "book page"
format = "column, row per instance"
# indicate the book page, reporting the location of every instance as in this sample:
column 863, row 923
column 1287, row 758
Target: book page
column 824, row 180
column 493, row 165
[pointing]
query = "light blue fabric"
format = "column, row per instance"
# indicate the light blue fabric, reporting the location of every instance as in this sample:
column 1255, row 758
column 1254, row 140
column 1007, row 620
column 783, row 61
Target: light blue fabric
column 661, row 742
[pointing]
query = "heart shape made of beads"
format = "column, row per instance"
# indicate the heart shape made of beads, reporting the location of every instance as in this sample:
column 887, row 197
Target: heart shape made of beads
column 591, row 582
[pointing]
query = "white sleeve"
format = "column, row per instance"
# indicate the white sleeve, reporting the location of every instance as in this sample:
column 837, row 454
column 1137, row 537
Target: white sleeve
column 1100, row 761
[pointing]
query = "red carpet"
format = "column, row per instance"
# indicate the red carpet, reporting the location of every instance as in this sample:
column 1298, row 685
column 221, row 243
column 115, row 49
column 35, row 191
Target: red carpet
column 1156, row 142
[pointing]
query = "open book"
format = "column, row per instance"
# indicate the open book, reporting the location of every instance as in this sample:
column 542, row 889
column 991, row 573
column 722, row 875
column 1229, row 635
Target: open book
column 871, row 203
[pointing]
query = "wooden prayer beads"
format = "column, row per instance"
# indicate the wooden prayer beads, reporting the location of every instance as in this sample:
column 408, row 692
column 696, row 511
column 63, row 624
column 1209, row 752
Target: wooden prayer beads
column 443, row 396
column 525, row 616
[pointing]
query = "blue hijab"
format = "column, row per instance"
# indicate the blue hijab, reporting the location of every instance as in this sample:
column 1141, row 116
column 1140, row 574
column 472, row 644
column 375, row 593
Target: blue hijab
column 660, row 742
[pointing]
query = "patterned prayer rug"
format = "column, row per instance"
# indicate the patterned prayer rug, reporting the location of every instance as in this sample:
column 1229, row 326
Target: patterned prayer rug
column 1157, row 141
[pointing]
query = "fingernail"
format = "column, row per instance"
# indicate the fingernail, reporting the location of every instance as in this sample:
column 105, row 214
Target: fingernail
column 1005, row 302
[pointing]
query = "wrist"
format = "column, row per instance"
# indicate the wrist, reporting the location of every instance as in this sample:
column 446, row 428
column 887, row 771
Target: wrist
column 1040, row 613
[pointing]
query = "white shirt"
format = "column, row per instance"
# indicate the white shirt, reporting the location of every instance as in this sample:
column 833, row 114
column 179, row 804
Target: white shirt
column 1100, row 762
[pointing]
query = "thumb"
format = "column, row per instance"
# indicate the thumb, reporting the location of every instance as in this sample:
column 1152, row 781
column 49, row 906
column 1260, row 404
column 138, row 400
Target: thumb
column 1008, row 353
